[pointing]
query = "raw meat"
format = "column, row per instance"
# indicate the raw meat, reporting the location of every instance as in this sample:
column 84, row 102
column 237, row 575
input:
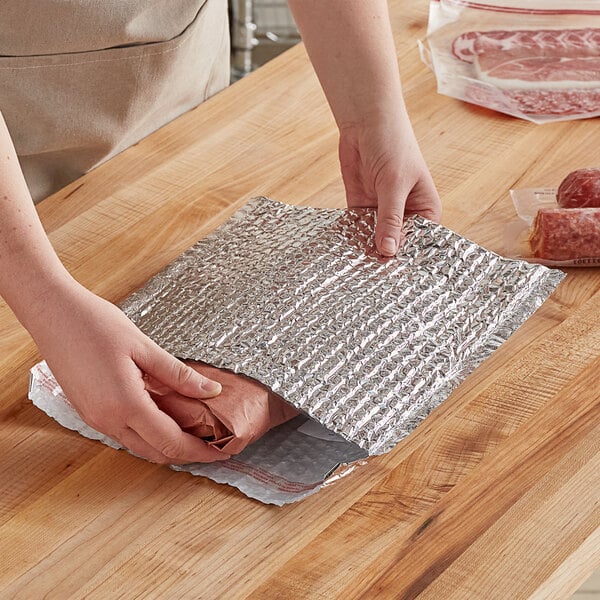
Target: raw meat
column 556, row 102
column 243, row 412
column 534, row 102
column 566, row 234
column 540, row 42
column 580, row 189
column 534, row 72
column 517, row 69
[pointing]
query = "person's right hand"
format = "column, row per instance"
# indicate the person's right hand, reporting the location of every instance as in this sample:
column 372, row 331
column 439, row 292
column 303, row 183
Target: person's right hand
column 382, row 166
column 102, row 362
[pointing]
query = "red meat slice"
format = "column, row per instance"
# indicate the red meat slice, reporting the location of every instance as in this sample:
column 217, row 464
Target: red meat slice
column 517, row 69
column 566, row 233
column 567, row 42
column 544, row 72
column 580, row 189
column 535, row 102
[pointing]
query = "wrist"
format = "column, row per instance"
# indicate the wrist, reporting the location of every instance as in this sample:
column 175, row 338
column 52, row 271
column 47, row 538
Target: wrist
column 390, row 115
column 38, row 300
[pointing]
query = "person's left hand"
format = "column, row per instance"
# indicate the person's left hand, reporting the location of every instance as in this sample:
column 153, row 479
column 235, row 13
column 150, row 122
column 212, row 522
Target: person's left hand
column 382, row 167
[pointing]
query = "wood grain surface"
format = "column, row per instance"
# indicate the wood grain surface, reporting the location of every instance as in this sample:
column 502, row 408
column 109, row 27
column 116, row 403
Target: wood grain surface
column 495, row 496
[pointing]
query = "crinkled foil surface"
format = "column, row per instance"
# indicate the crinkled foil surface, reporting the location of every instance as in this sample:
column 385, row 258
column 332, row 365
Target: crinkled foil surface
column 297, row 298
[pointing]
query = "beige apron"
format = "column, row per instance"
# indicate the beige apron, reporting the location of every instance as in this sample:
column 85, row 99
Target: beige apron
column 81, row 80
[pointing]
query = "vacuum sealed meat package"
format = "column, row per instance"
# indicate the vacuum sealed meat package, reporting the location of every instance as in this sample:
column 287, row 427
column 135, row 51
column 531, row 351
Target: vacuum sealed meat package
column 558, row 227
column 537, row 60
column 566, row 234
column 580, row 189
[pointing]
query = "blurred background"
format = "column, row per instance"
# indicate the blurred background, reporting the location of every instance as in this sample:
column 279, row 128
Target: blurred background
column 260, row 30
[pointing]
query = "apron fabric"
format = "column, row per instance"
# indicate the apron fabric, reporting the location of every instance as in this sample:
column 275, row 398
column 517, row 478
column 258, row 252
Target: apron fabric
column 81, row 80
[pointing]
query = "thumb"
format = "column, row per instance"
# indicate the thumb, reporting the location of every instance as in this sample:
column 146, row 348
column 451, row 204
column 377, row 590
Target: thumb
column 176, row 375
column 390, row 218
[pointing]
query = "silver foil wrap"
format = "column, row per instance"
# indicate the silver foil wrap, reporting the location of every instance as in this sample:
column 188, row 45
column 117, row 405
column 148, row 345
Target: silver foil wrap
column 298, row 299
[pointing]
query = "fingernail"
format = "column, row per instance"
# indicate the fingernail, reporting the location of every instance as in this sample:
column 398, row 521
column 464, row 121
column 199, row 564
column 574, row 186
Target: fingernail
column 388, row 246
column 211, row 387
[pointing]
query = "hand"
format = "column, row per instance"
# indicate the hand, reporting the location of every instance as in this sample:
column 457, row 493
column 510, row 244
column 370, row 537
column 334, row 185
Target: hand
column 351, row 45
column 102, row 362
column 243, row 412
column 382, row 166
column 97, row 355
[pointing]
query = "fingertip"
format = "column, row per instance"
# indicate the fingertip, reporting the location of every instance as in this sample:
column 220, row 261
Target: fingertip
column 388, row 233
column 388, row 246
column 210, row 388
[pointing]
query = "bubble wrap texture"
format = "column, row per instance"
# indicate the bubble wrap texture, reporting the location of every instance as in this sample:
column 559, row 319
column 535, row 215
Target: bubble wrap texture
column 297, row 298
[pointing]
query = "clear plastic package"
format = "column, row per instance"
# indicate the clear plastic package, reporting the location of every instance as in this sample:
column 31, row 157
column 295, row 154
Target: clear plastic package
column 550, row 235
column 537, row 60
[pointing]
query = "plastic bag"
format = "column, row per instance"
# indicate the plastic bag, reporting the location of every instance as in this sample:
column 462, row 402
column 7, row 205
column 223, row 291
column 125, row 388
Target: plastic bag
column 518, row 235
column 537, row 60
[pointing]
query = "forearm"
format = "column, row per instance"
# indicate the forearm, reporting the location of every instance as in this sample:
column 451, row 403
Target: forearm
column 351, row 46
column 30, row 271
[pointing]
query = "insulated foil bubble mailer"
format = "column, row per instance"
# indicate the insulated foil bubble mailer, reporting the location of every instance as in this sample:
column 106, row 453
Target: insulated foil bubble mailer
column 363, row 347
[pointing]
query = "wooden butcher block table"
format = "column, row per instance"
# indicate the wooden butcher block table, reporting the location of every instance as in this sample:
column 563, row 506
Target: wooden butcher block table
column 495, row 496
